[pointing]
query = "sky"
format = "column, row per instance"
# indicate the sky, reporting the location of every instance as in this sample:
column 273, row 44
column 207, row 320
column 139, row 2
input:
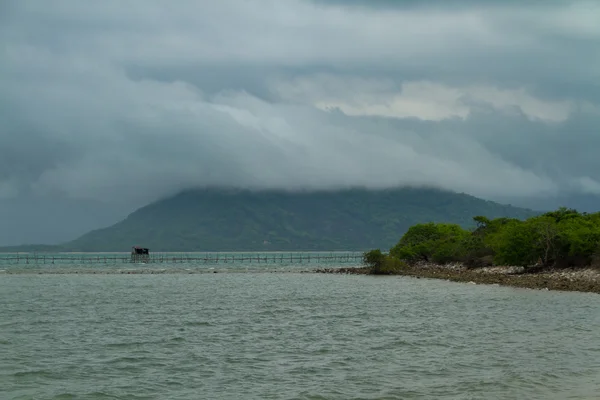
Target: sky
column 109, row 105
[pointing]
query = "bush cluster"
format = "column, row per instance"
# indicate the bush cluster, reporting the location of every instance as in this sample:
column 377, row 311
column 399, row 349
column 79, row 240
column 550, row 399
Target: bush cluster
column 382, row 264
column 561, row 238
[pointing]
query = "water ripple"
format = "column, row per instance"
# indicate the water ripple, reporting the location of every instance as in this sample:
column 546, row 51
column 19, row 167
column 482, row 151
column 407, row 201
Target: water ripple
column 292, row 336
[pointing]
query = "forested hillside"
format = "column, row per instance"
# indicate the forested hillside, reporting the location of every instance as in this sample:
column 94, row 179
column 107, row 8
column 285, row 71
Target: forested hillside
column 242, row 220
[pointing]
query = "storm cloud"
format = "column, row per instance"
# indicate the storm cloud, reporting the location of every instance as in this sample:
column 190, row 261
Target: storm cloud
column 135, row 100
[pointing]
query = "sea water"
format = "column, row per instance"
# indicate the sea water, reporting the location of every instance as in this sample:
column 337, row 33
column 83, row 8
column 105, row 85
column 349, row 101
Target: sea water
column 264, row 334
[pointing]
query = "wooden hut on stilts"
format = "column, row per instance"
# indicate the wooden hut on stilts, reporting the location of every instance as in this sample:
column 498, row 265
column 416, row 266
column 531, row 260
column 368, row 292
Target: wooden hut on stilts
column 140, row 254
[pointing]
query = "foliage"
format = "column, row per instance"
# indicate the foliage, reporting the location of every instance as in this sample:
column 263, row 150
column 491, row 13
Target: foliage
column 515, row 244
column 562, row 238
column 439, row 243
column 382, row 264
column 214, row 219
column 373, row 258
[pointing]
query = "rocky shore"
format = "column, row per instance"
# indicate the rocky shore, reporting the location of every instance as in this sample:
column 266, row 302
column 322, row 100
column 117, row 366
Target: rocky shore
column 580, row 280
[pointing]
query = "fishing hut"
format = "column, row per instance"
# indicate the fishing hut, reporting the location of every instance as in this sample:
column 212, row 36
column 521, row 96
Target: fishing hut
column 140, row 254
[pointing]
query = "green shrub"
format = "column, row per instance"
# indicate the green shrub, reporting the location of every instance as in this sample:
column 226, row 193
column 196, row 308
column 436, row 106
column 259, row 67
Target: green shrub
column 439, row 243
column 559, row 238
column 373, row 258
column 382, row 264
column 389, row 266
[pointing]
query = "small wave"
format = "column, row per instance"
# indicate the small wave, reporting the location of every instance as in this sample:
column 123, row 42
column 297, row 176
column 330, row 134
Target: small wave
column 64, row 396
column 313, row 396
column 197, row 323
column 120, row 345
column 101, row 395
column 33, row 373
column 127, row 359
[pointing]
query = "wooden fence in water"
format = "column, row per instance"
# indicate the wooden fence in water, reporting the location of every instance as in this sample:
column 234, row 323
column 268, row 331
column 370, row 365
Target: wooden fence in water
column 261, row 258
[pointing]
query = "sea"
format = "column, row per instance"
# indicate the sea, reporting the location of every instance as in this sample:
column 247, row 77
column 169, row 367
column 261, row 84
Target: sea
column 281, row 331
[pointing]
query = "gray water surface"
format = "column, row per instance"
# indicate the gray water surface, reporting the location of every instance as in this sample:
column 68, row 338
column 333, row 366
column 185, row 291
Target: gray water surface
column 292, row 336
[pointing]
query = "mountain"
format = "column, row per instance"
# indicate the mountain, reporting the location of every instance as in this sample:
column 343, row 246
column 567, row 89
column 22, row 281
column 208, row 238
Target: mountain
column 242, row 220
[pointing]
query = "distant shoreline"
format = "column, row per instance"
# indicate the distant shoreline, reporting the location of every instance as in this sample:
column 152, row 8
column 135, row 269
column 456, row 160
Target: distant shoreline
column 575, row 280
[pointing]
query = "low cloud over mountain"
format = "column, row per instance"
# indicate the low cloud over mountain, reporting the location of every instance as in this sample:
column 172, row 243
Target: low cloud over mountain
column 131, row 101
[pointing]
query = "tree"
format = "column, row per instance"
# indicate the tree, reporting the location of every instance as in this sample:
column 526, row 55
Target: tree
column 563, row 237
column 580, row 239
column 381, row 264
column 373, row 258
column 527, row 243
column 439, row 243
column 481, row 221
column 547, row 238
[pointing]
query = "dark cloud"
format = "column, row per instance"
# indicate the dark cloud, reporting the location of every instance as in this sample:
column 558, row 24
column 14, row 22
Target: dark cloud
column 103, row 101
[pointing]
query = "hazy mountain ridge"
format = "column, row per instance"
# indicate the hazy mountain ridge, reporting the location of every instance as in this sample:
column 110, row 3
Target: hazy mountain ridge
column 242, row 220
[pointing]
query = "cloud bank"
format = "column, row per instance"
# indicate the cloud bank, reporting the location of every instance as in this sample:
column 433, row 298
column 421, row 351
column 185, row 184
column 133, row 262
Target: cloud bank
column 136, row 100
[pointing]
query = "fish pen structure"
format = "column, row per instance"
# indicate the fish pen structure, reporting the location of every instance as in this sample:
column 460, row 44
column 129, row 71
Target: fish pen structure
column 140, row 254
column 178, row 258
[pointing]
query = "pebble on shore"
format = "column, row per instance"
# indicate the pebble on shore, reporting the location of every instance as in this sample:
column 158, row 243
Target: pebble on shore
column 580, row 280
